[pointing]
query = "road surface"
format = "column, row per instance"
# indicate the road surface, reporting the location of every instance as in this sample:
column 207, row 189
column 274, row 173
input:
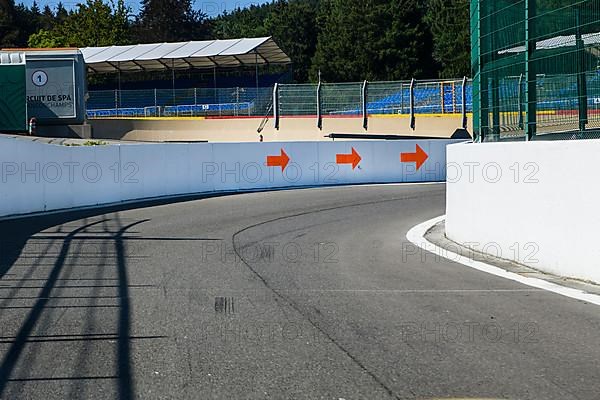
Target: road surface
column 306, row 294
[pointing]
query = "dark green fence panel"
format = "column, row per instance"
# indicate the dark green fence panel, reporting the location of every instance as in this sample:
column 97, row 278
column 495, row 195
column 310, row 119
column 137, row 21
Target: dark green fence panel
column 536, row 68
column 13, row 101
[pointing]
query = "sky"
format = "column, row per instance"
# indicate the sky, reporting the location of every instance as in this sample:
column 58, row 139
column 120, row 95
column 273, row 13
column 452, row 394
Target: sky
column 210, row 7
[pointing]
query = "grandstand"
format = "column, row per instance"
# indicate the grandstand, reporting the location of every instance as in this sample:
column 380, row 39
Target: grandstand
column 210, row 55
column 351, row 104
column 326, row 99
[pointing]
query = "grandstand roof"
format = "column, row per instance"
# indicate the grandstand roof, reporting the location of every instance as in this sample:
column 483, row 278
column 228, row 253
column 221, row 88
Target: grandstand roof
column 589, row 39
column 185, row 55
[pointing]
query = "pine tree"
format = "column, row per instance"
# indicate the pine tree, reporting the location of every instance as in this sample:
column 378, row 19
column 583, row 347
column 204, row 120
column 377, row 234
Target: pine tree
column 293, row 26
column 9, row 32
column 372, row 39
column 449, row 24
column 170, row 21
column 47, row 19
column 246, row 22
column 61, row 12
column 35, row 9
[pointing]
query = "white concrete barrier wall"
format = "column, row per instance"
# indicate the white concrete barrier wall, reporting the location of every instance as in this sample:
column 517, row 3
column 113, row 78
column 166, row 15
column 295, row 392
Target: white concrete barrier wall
column 536, row 203
column 40, row 177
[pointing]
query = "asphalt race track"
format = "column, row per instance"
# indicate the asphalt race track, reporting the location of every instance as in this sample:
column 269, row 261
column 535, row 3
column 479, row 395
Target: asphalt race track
column 305, row 294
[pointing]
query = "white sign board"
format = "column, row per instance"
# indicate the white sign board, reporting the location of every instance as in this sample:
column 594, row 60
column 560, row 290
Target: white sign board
column 51, row 89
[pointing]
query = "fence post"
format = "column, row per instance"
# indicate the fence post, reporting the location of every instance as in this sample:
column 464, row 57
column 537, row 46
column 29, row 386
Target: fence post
column 156, row 103
column 276, row 105
column 401, row 98
column 520, row 99
column 464, row 103
column 237, row 101
column 530, row 73
column 582, row 97
column 443, row 96
column 117, row 101
column 365, row 88
column 319, row 106
column 412, row 104
column 454, row 97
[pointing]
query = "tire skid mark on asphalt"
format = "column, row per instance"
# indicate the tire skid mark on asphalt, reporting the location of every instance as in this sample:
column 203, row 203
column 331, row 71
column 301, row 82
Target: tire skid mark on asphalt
column 279, row 294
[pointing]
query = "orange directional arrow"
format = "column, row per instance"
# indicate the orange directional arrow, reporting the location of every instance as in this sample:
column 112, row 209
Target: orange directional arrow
column 419, row 157
column 278, row 161
column 353, row 158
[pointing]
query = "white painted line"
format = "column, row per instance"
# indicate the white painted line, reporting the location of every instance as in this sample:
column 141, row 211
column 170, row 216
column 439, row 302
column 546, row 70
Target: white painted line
column 417, row 237
column 410, row 291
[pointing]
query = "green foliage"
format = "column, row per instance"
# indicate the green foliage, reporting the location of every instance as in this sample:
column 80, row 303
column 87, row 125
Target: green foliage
column 86, row 143
column 45, row 39
column 347, row 40
column 93, row 23
column 372, row 39
column 96, row 23
column 9, row 31
column 95, row 143
column 448, row 22
column 293, row 26
column 245, row 22
column 291, row 23
column 170, row 21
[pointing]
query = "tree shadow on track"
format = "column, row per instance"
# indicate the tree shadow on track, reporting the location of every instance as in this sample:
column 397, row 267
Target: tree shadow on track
column 15, row 235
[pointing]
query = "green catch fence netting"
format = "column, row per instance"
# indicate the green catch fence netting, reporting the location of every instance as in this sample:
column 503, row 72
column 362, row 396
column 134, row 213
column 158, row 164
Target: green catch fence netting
column 536, row 69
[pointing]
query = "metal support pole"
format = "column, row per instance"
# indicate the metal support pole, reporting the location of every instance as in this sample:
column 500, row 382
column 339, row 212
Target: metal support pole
column 237, row 100
column 581, row 78
column 412, row 104
column 156, row 103
column 173, row 81
column 479, row 81
column 215, row 100
column 402, row 98
column 443, row 97
column 484, row 113
column 119, row 89
column 520, row 100
column 365, row 115
column 319, row 104
column 496, row 108
column 530, row 73
column 256, row 64
column 464, row 103
column 276, row 106
column 453, row 97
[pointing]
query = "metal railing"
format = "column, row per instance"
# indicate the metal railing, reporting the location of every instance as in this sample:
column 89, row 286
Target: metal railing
column 431, row 97
column 372, row 99
column 193, row 102
column 361, row 99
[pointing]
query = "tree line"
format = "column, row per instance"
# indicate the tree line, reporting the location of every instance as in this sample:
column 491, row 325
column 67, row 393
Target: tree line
column 342, row 40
